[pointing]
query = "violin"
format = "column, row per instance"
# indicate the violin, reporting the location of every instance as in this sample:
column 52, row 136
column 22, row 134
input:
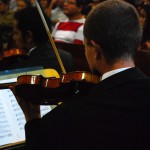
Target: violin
column 10, row 56
column 40, row 90
column 12, row 52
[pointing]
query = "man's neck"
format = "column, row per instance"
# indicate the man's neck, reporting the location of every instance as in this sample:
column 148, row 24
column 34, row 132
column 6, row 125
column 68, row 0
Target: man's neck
column 110, row 73
column 76, row 17
column 31, row 45
column 118, row 65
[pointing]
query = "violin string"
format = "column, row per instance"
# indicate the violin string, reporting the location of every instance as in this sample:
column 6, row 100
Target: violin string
column 50, row 37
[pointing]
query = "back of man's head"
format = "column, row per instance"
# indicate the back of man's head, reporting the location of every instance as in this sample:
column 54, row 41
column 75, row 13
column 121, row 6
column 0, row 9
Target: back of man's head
column 29, row 19
column 115, row 26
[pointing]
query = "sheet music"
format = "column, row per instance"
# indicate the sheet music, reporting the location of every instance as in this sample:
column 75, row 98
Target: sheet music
column 12, row 119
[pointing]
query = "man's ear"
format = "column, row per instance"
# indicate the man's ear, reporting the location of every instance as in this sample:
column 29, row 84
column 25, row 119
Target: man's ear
column 80, row 8
column 29, row 36
column 96, row 49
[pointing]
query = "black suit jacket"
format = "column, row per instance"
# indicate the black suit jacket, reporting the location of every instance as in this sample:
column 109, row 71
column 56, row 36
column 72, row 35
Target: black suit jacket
column 114, row 115
column 43, row 55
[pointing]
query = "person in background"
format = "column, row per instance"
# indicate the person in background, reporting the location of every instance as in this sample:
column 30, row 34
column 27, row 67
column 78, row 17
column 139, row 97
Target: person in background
column 135, row 3
column 44, row 5
column 30, row 35
column 144, row 12
column 91, row 5
column 55, row 11
column 6, row 16
column 71, row 30
column 6, row 22
column 21, row 4
column 1, row 45
column 13, row 5
column 114, row 113
column 146, row 1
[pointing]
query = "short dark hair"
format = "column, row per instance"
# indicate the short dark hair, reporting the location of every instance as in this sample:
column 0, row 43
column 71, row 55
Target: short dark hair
column 115, row 26
column 29, row 20
column 82, row 3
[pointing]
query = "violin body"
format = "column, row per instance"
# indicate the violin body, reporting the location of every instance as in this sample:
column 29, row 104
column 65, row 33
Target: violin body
column 12, row 52
column 9, row 57
column 40, row 90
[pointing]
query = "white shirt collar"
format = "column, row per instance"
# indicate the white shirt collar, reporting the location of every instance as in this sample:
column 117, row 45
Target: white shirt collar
column 31, row 50
column 110, row 73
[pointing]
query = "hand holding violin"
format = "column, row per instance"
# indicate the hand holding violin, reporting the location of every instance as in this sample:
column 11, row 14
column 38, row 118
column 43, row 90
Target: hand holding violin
column 30, row 111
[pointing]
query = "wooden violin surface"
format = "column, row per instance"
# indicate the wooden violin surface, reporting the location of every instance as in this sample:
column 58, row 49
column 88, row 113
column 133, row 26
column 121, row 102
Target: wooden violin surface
column 40, row 90
column 12, row 52
column 11, row 56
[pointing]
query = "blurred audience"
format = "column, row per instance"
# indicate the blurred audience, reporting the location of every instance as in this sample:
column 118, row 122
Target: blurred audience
column 45, row 4
column 135, row 3
column 146, row 1
column 55, row 11
column 6, row 22
column 23, row 4
column 144, row 12
column 13, row 5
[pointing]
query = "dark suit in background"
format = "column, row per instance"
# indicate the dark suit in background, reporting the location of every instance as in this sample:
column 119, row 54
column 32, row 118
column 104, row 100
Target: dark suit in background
column 115, row 115
column 43, row 55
